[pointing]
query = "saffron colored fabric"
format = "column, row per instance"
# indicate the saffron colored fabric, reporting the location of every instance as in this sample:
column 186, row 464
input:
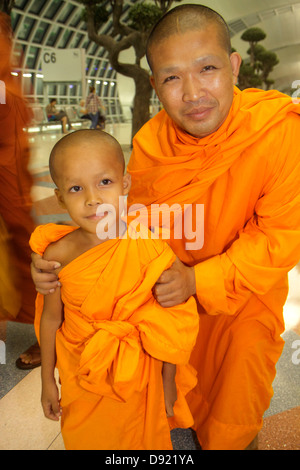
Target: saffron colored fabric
column 15, row 178
column 112, row 343
column 246, row 176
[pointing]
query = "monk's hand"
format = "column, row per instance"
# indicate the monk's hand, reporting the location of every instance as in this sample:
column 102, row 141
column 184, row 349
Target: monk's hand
column 43, row 274
column 175, row 285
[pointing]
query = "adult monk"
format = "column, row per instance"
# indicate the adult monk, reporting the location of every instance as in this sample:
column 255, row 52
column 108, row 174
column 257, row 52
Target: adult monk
column 237, row 154
column 15, row 184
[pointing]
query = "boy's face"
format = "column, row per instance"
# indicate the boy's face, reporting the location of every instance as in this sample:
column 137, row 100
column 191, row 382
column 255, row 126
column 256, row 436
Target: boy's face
column 90, row 177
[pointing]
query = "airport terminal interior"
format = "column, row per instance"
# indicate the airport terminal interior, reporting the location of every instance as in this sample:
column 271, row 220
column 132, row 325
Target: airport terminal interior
column 51, row 26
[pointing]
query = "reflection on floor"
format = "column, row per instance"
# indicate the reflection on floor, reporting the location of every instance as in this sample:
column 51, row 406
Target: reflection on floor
column 22, row 424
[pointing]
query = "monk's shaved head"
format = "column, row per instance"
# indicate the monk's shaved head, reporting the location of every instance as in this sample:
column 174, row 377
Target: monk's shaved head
column 183, row 19
column 84, row 137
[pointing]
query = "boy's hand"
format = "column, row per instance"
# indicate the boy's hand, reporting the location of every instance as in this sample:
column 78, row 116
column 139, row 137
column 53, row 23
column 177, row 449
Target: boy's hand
column 50, row 401
column 43, row 275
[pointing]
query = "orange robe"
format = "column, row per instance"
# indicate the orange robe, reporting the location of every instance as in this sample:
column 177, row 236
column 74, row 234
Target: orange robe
column 15, row 179
column 112, row 343
column 247, row 176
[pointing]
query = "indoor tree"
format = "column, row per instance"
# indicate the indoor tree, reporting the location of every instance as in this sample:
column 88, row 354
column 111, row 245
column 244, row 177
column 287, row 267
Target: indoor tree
column 255, row 71
column 142, row 17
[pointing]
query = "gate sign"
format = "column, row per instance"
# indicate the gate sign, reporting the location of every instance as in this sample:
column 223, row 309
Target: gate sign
column 63, row 65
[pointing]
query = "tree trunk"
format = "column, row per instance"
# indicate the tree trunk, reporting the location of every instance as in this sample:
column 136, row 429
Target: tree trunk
column 140, row 114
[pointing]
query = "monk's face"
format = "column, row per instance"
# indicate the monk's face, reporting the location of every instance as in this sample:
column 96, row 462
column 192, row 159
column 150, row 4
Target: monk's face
column 91, row 183
column 193, row 76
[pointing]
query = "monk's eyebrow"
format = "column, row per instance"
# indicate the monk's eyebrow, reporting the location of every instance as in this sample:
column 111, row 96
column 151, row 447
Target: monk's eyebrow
column 175, row 68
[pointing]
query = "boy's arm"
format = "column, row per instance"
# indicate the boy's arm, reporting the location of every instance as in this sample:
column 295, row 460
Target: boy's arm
column 51, row 320
column 170, row 390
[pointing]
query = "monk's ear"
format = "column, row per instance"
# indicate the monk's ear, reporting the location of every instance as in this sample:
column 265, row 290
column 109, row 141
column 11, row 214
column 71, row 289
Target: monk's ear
column 126, row 183
column 235, row 60
column 59, row 198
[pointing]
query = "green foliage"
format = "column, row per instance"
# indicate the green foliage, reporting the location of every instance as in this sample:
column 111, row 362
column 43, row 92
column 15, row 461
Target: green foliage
column 142, row 16
column 253, row 35
column 255, row 72
column 99, row 10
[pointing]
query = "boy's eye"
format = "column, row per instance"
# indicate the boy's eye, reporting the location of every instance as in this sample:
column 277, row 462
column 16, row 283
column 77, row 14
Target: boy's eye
column 75, row 189
column 105, row 182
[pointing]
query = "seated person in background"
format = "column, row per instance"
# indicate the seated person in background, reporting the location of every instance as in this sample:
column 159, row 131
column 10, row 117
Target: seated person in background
column 115, row 347
column 54, row 115
column 82, row 111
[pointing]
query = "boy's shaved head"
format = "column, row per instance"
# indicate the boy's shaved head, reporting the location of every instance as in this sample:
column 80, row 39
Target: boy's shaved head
column 86, row 137
column 185, row 18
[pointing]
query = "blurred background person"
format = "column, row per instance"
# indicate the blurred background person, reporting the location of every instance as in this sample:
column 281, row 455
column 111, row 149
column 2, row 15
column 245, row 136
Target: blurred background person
column 93, row 103
column 54, row 115
column 15, row 187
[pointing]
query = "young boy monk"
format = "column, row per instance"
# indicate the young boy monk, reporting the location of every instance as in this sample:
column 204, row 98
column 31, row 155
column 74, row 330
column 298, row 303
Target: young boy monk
column 115, row 347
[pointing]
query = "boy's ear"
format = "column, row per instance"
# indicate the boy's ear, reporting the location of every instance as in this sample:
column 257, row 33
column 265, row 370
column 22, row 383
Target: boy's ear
column 59, row 198
column 126, row 183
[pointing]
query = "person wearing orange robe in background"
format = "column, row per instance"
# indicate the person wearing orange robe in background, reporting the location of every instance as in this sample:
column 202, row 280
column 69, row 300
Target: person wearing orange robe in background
column 237, row 155
column 114, row 336
column 244, row 167
column 15, row 179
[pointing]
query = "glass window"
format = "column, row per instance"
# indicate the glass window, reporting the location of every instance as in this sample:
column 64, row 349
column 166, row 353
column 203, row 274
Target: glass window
column 66, row 12
column 103, row 68
column 93, row 49
column 40, row 32
column 76, row 40
column 56, row 30
column 53, row 8
column 65, row 38
column 76, row 18
column 52, row 89
column 20, row 3
column 88, row 64
column 110, row 71
column 31, row 57
column 39, row 86
column 105, row 88
column 15, row 18
column 94, row 69
column 26, row 28
column 72, row 90
column 37, row 6
column 62, row 89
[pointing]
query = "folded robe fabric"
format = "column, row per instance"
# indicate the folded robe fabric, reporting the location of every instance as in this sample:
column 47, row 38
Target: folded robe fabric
column 112, row 343
column 15, row 178
column 246, row 176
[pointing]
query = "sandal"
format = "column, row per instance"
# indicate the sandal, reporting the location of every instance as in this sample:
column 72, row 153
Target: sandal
column 33, row 357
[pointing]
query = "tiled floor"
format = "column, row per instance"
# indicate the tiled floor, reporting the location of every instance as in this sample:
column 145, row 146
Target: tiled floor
column 22, row 424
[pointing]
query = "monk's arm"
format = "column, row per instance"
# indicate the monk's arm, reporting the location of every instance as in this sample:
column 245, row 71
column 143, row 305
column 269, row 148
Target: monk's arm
column 43, row 274
column 175, row 285
column 262, row 254
column 265, row 249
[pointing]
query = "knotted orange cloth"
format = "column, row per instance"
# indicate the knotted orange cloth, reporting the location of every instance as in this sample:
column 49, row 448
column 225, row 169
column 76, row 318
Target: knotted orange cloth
column 112, row 343
column 247, row 176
